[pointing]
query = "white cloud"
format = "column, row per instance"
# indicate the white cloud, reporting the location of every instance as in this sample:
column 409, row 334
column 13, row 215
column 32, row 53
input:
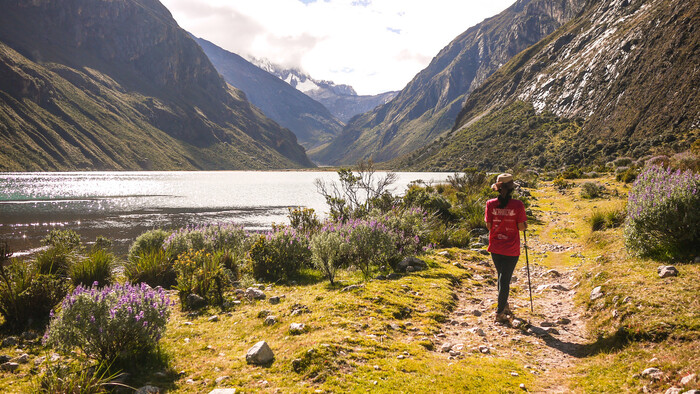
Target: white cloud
column 373, row 45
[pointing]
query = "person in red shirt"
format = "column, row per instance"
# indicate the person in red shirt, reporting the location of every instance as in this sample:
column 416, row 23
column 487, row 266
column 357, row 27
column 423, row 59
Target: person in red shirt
column 505, row 218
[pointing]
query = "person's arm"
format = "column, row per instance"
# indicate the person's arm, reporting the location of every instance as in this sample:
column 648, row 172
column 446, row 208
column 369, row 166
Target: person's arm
column 522, row 226
column 488, row 226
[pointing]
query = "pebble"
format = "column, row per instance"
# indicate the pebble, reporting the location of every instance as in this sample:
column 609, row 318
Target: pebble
column 563, row 321
column 484, row 349
column 522, row 386
column 666, row 271
column 514, row 374
column 9, row 366
column 476, row 313
column 596, row 293
column 688, row 379
column 214, row 318
column 674, row 390
column 652, row 373
column 274, row 300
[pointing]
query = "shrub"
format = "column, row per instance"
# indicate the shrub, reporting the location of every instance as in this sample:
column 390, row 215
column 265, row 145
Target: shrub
column 68, row 240
column 605, row 219
column 663, row 218
column 372, row 244
column 153, row 267
column 147, row 243
column 685, row 161
column 572, row 172
column 279, row 254
column 329, row 252
column 208, row 238
column 75, row 378
column 303, row 220
column 198, row 272
column 109, row 323
column 96, row 267
column 27, row 296
column 561, row 183
column 627, row 176
column 591, row 190
column 56, row 260
column 420, row 197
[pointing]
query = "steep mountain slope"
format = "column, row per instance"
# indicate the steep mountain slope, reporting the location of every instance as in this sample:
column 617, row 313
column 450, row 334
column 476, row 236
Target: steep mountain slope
column 118, row 85
column 342, row 100
column 426, row 108
column 312, row 123
column 619, row 80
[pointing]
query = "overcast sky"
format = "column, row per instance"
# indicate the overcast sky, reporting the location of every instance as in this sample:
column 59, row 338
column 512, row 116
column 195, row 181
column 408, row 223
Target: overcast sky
column 372, row 45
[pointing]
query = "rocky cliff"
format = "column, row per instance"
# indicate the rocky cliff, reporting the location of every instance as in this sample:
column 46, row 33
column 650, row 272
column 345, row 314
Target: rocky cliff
column 619, row 80
column 118, row 85
column 427, row 107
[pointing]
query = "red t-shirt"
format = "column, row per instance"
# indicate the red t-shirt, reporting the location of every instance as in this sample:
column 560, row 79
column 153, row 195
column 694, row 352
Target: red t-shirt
column 504, row 237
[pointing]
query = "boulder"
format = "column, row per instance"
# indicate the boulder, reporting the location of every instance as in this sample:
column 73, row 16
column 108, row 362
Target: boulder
column 9, row 366
column 193, row 301
column 259, row 354
column 652, row 373
column 10, row 341
column 270, row 321
column 274, row 300
column 415, row 263
column 213, row 319
column 255, row 294
column 552, row 273
column 666, row 271
column 674, row 390
column 223, row 391
column 688, row 379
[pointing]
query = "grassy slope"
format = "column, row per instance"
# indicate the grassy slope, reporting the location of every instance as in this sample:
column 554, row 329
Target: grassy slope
column 354, row 338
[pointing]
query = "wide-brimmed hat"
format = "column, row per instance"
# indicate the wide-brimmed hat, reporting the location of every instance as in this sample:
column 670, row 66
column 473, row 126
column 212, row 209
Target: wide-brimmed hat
column 504, row 180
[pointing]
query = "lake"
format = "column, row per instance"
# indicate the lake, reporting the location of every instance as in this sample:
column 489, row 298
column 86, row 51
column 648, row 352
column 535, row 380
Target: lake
column 122, row 205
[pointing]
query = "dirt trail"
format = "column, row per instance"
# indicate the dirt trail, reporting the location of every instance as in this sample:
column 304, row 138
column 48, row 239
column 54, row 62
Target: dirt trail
column 550, row 341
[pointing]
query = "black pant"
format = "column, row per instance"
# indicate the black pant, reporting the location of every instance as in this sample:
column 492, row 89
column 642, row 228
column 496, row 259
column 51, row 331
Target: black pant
column 505, row 265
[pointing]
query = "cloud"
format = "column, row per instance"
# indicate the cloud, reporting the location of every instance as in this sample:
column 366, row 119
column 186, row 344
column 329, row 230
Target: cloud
column 372, row 45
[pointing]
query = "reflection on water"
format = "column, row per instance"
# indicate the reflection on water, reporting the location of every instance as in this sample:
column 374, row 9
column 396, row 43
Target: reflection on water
column 122, row 205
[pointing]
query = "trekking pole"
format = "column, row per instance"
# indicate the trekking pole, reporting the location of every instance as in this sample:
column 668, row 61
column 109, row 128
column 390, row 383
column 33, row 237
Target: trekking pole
column 527, row 261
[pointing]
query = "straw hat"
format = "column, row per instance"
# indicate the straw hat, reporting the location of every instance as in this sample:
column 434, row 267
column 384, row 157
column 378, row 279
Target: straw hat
column 503, row 181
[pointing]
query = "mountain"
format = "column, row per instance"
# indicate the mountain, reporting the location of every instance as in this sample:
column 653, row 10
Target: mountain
column 427, row 107
column 621, row 79
column 312, row 123
column 341, row 100
column 117, row 85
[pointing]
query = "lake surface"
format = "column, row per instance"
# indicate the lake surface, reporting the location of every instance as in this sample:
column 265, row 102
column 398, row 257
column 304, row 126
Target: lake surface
column 122, row 205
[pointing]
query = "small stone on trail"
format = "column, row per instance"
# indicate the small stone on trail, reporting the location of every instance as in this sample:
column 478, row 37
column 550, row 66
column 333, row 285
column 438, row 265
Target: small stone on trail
column 552, row 330
column 666, row 271
column 477, row 331
column 255, row 294
column 596, row 293
column 484, row 349
column 214, row 318
column 615, row 314
column 522, row 386
column 446, row 347
column 476, row 313
column 547, row 324
column 22, row 359
column 552, row 273
column 653, row 361
column 563, row 321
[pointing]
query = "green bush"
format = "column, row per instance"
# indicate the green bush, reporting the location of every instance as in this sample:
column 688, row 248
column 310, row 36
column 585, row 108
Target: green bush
column 147, row 243
column 75, row 378
column 663, row 219
column 208, row 238
column 279, row 254
column 431, row 202
column 303, row 220
column 572, row 172
column 561, row 183
column 627, row 176
column 153, row 267
column 329, row 252
column 56, row 260
column 27, row 296
column 591, row 190
column 68, row 240
column 198, row 272
column 96, row 267
column 372, row 244
column 605, row 219
column 118, row 321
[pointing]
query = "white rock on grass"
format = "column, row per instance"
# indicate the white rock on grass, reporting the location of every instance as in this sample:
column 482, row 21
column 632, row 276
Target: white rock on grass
column 223, row 391
column 652, row 373
column 596, row 293
column 270, row 320
column 674, row 390
column 259, row 354
column 688, row 379
column 148, row 390
column 477, row 331
column 297, row 328
column 255, row 294
column 667, row 271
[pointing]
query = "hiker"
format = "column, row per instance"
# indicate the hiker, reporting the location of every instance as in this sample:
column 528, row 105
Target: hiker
column 505, row 218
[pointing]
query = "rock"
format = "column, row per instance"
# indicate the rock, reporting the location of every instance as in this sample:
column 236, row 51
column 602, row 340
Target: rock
column 522, row 386
column 563, row 321
column 674, row 390
column 688, row 379
column 596, row 293
column 652, row 373
column 298, row 309
column 221, row 379
column 446, row 347
column 484, row 239
column 264, row 313
column 484, row 349
column 270, row 320
column 255, row 294
column 297, row 328
column 39, row 360
column 223, row 391
column 547, row 324
column 259, row 354
column 415, row 263
column 476, row 313
column 478, row 245
column 29, row 335
column 4, row 358
column 274, row 300
column 477, row 331
column 615, row 314
column 148, row 390
column 393, row 276
column 514, row 374
column 193, row 301
column 351, row 287
column 552, row 331
column 22, row 359
column 692, row 392
column 10, row 341
column 667, row 271
column 552, row 273
column 444, row 253
column 213, row 319
column 9, row 366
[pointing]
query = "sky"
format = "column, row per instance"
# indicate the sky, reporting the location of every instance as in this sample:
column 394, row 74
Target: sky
column 373, row 45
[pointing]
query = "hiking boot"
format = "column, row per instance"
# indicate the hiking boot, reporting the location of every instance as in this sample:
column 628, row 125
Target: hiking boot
column 507, row 311
column 502, row 318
